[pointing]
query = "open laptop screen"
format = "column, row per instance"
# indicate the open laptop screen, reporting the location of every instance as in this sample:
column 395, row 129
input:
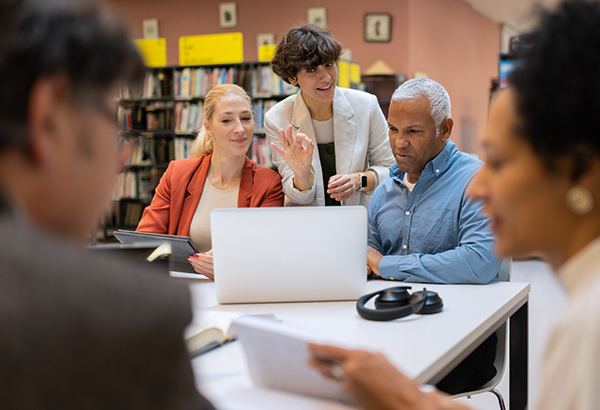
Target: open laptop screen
column 289, row 254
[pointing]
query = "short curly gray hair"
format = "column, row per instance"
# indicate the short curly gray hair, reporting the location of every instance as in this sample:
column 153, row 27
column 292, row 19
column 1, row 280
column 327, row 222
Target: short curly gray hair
column 439, row 99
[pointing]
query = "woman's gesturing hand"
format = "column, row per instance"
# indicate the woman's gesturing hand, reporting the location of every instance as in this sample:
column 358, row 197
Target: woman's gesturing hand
column 298, row 157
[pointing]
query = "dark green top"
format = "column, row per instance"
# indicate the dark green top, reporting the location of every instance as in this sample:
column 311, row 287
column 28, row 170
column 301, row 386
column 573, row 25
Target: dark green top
column 327, row 155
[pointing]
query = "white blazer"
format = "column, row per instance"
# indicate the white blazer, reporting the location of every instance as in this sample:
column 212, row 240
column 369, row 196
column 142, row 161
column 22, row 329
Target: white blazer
column 360, row 136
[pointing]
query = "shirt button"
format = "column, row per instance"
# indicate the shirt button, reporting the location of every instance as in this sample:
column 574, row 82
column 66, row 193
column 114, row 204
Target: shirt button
column 404, row 246
column 330, row 150
column 391, row 278
column 407, row 213
column 437, row 171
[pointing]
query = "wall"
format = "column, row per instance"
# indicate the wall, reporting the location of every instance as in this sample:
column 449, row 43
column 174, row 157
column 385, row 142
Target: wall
column 460, row 52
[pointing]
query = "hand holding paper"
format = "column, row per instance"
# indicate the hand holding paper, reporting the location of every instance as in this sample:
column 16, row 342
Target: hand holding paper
column 277, row 357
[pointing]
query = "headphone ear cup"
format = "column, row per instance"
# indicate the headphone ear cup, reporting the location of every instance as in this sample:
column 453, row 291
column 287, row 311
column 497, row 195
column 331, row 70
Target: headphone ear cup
column 433, row 304
column 393, row 297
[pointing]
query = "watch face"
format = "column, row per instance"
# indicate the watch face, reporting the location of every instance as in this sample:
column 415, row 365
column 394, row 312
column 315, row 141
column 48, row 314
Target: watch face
column 363, row 181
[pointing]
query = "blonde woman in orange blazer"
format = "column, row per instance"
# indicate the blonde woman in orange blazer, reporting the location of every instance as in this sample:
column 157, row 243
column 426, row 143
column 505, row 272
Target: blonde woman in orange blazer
column 220, row 176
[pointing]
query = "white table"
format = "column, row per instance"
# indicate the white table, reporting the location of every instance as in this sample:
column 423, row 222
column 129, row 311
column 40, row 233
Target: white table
column 425, row 347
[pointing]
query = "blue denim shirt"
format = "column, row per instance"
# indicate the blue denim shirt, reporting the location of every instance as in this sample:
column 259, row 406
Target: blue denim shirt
column 435, row 233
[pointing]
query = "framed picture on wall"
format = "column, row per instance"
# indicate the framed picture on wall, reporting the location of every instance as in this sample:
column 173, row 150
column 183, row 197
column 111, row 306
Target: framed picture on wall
column 318, row 16
column 227, row 15
column 378, row 27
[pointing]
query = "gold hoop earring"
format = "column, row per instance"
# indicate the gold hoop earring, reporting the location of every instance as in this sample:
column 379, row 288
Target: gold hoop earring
column 580, row 200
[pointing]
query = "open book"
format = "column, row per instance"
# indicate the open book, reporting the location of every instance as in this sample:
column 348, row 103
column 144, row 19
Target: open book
column 210, row 329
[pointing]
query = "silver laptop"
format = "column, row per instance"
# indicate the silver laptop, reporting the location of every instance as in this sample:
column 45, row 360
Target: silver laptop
column 290, row 254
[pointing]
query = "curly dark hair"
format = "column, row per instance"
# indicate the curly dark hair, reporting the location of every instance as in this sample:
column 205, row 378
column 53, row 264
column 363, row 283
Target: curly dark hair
column 75, row 37
column 557, row 85
column 307, row 47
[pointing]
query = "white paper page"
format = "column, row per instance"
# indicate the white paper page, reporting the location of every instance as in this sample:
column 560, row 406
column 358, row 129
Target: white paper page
column 207, row 319
column 244, row 398
column 185, row 275
column 278, row 358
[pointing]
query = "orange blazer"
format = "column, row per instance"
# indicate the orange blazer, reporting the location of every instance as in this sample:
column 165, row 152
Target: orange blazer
column 180, row 188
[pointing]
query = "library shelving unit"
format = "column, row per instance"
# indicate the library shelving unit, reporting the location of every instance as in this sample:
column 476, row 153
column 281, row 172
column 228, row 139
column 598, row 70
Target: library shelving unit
column 160, row 119
column 383, row 86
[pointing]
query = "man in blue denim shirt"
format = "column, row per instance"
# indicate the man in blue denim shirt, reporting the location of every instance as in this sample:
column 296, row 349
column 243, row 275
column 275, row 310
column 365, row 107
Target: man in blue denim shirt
column 422, row 226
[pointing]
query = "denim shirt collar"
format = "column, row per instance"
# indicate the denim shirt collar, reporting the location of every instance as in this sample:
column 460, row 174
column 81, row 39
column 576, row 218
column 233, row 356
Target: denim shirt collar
column 436, row 167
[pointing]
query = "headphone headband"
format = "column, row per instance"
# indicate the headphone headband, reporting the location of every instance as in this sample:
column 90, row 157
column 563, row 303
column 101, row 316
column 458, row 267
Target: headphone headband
column 405, row 304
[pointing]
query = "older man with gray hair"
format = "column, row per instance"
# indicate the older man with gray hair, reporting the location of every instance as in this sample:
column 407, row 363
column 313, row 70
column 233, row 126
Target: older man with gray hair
column 422, row 225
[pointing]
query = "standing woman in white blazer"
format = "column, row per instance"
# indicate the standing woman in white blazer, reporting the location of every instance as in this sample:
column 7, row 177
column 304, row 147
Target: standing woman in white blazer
column 347, row 127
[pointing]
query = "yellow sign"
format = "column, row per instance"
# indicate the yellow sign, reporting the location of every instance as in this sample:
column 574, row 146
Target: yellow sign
column 154, row 51
column 209, row 49
column 354, row 73
column 343, row 74
column 266, row 52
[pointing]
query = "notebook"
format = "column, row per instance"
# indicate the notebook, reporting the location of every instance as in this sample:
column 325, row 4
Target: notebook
column 181, row 247
column 289, row 254
column 140, row 254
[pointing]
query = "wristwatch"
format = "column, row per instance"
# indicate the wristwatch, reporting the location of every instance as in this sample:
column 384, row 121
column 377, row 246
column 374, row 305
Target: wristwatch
column 363, row 181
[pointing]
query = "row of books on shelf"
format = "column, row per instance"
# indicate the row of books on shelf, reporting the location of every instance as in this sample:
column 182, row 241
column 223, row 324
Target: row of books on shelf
column 138, row 184
column 183, row 148
column 126, row 214
column 157, row 115
column 147, row 150
column 266, row 83
column 195, row 82
column 260, row 108
column 260, row 152
column 157, row 84
column 189, row 116
column 259, row 81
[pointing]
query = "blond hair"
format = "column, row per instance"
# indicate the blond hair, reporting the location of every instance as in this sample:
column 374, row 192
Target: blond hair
column 203, row 144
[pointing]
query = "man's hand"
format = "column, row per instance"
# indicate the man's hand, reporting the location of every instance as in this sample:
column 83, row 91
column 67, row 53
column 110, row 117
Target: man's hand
column 373, row 259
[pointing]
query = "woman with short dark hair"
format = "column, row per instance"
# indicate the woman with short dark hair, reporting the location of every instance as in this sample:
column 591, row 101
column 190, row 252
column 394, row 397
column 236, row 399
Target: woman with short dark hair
column 347, row 126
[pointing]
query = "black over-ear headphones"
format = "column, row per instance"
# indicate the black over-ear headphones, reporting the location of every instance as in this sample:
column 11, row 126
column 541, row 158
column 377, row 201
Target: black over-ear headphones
column 394, row 303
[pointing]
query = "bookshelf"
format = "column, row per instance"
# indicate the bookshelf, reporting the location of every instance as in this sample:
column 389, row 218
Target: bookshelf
column 382, row 86
column 159, row 121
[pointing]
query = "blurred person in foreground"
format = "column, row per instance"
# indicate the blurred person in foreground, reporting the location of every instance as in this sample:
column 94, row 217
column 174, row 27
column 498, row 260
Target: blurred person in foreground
column 541, row 188
column 77, row 331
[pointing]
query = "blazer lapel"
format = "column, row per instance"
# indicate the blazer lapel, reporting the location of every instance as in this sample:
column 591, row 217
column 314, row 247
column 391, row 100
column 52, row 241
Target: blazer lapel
column 192, row 196
column 246, row 183
column 302, row 122
column 344, row 131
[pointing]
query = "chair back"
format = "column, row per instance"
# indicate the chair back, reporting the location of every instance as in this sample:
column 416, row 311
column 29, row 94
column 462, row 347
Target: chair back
column 505, row 270
column 504, row 274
